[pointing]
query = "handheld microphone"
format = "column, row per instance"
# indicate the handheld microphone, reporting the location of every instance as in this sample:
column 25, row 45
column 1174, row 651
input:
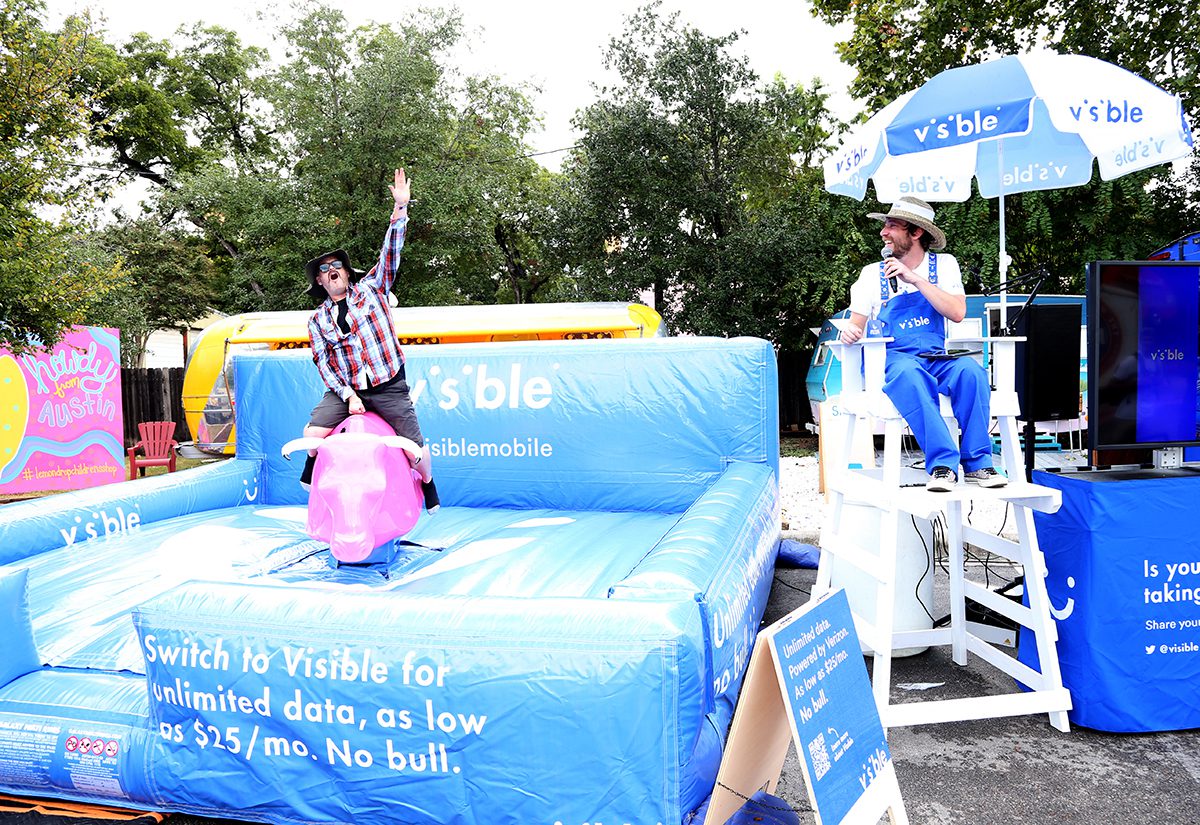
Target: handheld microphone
column 886, row 253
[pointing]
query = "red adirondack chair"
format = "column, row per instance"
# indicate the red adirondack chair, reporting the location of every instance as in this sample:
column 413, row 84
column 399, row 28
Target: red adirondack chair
column 157, row 445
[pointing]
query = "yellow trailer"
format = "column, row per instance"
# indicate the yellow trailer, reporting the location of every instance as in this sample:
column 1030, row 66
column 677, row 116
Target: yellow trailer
column 208, row 392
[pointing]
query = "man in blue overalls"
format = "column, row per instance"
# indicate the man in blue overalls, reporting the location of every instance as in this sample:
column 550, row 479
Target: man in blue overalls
column 912, row 292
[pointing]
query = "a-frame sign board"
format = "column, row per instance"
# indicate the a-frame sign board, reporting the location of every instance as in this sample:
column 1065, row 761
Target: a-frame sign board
column 807, row 682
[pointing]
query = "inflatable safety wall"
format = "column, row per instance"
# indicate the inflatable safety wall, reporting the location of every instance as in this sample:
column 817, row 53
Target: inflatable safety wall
column 647, row 426
column 563, row 642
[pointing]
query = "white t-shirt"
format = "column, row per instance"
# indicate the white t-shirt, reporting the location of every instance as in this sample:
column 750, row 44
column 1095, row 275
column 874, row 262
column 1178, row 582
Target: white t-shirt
column 864, row 293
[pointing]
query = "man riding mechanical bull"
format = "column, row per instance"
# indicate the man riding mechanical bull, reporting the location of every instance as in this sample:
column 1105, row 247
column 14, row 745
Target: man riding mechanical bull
column 355, row 347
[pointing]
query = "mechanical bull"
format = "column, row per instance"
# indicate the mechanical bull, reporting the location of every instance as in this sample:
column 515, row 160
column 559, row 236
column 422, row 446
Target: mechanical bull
column 365, row 490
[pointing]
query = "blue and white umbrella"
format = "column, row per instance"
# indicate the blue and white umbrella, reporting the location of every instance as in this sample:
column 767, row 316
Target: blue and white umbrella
column 1016, row 124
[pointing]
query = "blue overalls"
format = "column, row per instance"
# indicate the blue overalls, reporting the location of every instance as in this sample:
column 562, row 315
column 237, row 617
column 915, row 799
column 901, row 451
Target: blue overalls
column 913, row 383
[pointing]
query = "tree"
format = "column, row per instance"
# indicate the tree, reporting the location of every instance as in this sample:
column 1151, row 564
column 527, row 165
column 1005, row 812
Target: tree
column 168, row 282
column 260, row 229
column 165, row 110
column 1157, row 41
column 524, row 231
column 42, row 120
column 695, row 184
column 660, row 169
column 273, row 164
column 168, row 108
column 347, row 107
column 896, row 45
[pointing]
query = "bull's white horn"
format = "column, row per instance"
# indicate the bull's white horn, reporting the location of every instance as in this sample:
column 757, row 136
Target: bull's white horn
column 303, row 443
column 405, row 444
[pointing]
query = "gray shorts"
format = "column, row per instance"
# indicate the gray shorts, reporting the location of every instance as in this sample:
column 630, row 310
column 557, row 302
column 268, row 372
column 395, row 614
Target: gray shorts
column 389, row 401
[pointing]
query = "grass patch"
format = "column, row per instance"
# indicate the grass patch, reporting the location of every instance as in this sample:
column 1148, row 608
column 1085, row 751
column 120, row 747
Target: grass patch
column 794, row 445
column 180, row 464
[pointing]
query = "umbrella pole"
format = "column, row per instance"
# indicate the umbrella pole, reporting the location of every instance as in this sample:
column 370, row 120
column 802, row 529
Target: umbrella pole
column 1030, row 428
column 1003, row 249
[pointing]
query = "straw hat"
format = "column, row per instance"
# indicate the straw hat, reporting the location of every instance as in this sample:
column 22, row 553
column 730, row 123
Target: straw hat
column 918, row 213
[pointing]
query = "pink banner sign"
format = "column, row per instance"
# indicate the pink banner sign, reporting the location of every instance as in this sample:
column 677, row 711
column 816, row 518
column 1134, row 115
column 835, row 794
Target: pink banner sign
column 61, row 427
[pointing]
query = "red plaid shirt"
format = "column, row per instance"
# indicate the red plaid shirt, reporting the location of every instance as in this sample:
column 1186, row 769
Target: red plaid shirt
column 369, row 354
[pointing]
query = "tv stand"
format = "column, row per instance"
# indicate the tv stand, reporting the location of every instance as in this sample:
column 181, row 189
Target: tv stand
column 1168, row 458
column 1132, row 472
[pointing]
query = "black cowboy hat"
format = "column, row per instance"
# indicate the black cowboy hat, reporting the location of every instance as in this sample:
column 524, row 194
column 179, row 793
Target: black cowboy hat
column 310, row 269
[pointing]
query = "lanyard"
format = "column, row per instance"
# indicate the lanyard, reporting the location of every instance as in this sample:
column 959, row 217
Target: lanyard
column 883, row 284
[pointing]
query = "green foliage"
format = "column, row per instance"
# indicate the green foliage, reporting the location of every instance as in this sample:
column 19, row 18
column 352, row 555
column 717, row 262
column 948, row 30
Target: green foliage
column 167, row 108
column 47, row 288
column 657, row 170
column 348, row 107
column 223, row 85
column 167, row 282
column 896, row 45
column 260, row 231
column 1155, row 39
column 41, row 120
column 695, row 184
column 135, row 109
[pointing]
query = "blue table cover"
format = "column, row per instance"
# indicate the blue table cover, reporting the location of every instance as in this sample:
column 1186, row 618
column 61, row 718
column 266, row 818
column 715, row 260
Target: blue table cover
column 1123, row 561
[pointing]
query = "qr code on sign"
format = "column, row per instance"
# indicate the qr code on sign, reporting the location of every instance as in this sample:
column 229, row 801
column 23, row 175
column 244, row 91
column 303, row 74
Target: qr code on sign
column 819, row 755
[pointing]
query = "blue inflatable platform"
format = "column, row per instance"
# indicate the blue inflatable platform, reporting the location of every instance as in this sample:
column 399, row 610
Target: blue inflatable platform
column 563, row 643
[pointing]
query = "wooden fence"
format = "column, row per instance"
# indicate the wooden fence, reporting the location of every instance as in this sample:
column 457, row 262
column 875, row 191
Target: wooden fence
column 794, row 409
column 152, row 394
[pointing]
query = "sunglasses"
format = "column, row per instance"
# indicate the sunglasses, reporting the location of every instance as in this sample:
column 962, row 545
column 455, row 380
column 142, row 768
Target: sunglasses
column 331, row 265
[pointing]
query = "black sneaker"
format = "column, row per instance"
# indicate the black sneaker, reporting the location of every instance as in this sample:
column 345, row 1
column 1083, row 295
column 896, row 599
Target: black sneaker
column 986, row 477
column 307, row 473
column 941, row 480
column 432, row 502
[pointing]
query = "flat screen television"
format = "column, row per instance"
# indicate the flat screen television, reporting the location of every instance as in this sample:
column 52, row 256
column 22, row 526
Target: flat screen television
column 1143, row 368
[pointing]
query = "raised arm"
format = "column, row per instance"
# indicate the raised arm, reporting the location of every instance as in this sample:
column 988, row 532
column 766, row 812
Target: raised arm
column 383, row 274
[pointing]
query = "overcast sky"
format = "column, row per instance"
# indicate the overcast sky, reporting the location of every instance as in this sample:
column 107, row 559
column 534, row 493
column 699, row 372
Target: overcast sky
column 555, row 45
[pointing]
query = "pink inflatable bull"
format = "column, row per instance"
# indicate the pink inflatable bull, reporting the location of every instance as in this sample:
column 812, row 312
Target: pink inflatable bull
column 365, row 491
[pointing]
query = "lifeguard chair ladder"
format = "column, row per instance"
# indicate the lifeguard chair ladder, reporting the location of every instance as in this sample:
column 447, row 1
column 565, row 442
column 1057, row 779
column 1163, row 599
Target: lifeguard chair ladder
column 898, row 492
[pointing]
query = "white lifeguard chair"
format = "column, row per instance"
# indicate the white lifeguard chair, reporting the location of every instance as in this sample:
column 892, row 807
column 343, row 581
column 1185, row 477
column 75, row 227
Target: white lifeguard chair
column 897, row 492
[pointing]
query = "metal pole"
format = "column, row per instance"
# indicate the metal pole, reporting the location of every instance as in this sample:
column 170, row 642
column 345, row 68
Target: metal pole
column 1003, row 249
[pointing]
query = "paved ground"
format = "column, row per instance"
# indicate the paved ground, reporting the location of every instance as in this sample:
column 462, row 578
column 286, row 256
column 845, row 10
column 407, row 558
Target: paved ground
column 1015, row 770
